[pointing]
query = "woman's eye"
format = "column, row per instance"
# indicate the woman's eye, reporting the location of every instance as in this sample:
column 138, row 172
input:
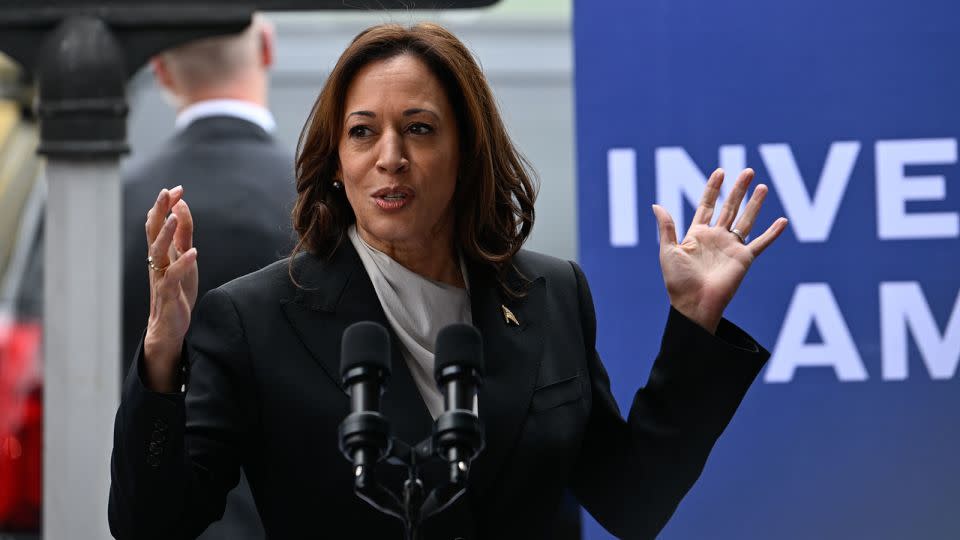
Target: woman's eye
column 420, row 129
column 360, row 131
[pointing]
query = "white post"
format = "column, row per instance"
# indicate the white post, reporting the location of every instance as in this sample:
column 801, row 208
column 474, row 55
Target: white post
column 81, row 345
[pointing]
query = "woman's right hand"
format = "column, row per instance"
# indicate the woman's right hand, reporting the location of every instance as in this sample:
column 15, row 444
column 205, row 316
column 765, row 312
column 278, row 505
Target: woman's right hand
column 173, row 288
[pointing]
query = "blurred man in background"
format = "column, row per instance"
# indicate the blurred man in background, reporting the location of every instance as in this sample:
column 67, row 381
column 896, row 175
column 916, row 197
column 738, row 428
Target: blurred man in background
column 238, row 179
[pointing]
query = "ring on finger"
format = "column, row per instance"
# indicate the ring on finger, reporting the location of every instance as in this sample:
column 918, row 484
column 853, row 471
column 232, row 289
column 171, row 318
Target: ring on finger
column 740, row 236
column 153, row 266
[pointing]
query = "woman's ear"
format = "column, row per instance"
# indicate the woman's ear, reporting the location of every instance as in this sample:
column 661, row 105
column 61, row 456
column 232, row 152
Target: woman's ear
column 338, row 171
column 337, row 181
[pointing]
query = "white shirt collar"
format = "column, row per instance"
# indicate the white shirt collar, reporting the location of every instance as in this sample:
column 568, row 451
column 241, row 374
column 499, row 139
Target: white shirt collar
column 245, row 110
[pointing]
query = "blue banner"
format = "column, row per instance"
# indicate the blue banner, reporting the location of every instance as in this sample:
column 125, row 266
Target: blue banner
column 850, row 113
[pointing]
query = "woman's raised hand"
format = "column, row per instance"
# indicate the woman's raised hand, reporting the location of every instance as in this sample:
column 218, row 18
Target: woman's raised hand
column 704, row 271
column 173, row 287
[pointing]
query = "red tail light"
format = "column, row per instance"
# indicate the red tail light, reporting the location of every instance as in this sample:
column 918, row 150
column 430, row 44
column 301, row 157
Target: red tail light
column 21, row 427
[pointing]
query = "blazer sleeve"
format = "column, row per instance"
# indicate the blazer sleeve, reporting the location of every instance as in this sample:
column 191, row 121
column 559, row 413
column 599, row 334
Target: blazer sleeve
column 631, row 474
column 176, row 456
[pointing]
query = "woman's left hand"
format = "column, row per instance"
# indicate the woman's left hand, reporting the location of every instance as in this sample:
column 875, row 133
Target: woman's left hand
column 704, row 271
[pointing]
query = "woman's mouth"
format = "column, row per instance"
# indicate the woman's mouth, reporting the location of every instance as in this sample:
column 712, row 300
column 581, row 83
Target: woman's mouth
column 393, row 198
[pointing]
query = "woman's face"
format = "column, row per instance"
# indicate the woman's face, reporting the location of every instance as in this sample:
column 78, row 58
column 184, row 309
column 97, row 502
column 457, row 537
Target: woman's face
column 399, row 155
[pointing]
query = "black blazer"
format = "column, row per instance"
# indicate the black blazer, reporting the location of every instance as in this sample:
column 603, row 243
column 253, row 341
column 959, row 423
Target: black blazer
column 264, row 394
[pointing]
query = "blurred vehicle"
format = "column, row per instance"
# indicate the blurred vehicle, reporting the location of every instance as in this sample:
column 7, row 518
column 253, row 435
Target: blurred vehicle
column 21, row 391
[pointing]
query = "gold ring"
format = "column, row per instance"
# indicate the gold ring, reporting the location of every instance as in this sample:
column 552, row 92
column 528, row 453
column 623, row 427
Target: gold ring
column 154, row 267
column 740, row 235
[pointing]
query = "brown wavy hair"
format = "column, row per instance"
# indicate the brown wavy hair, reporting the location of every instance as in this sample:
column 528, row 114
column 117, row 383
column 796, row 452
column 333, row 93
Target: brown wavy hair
column 496, row 186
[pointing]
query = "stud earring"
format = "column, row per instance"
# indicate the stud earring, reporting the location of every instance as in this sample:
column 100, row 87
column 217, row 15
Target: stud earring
column 337, row 184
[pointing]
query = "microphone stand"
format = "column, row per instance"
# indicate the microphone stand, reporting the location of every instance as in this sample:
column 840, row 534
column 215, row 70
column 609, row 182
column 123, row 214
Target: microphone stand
column 411, row 506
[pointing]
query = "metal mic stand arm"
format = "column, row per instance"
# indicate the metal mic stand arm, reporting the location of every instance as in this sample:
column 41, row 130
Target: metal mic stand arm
column 414, row 508
column 407, row 510
column 440, row 498
column 419, row 509
column 382, row 499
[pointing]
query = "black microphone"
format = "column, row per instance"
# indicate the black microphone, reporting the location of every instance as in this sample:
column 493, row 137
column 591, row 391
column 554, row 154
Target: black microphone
column 458, row 370
column 364, row 370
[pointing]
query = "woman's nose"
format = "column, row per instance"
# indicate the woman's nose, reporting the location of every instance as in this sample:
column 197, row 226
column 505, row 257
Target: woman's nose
column 392, row 158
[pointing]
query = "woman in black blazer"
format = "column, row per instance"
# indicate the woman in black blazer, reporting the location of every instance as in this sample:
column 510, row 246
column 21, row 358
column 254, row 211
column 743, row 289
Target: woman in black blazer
column 405, row 162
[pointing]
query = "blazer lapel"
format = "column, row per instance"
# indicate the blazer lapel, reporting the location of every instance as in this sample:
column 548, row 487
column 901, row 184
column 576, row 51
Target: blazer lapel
column 333, row 295
column 512, row 356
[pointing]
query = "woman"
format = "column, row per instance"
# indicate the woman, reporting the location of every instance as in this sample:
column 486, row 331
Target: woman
column 412, row 208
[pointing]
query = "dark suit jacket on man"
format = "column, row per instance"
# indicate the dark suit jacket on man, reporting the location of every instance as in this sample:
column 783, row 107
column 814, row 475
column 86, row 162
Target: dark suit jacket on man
column 239, row 184
column 264, row 394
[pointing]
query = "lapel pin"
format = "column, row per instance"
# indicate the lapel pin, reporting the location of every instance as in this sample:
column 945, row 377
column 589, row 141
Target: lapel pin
column 509, row 317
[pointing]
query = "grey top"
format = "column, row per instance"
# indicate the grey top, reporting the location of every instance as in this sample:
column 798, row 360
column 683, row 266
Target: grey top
column 417, row 308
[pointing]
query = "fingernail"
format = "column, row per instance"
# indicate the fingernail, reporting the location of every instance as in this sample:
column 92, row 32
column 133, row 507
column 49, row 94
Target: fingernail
column 162, row 193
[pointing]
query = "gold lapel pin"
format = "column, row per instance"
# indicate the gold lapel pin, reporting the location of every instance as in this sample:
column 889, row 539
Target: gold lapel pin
column 509, row 317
